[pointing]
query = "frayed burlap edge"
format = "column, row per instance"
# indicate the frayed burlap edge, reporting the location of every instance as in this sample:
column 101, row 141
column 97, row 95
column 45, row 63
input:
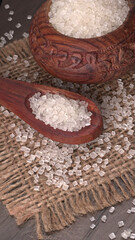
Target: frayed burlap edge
column 59, row 214
column 56, row 215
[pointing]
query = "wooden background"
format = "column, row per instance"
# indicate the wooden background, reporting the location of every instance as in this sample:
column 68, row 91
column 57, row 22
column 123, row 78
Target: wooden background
column 80, row 230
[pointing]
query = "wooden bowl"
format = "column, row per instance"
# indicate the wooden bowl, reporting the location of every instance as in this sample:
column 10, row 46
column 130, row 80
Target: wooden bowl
column 90, row 60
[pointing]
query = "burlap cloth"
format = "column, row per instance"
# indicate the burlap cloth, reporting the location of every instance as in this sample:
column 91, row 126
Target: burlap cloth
column 52, row 207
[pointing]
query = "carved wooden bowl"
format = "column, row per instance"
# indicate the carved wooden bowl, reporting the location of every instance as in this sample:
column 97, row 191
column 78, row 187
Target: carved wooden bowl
column 90, row 60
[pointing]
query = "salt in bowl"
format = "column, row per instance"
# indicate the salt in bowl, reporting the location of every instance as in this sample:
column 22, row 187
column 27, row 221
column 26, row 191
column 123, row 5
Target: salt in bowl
column 91, row 60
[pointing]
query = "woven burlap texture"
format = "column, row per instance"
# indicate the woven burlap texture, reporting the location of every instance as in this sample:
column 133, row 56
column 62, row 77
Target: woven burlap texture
column 52, row 207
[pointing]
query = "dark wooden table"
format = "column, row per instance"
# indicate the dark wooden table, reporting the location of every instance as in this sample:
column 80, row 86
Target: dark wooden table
column 80, row 230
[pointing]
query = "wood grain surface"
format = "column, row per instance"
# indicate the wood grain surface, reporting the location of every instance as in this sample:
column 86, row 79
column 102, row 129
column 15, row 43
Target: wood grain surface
column 80, row 230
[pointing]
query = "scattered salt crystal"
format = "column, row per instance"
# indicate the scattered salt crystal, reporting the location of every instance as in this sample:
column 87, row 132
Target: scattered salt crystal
column 104, row 218
column 102, row 153
column 78, row 173
column 131, row 152
column 112, row 236
column 100, row 141
column 35, row 75
column 121, row 151
column 70, row 172
column 117, row 147
column 83, row 158
column 41, row 171
column 75, row 183
column 59, row 172
column 18, row 25
column 97, row 150
column 6, row 6
column 113, row 133
column 49, row 182
column 18, row 138
column 2, row 108
column 101, row 173
column 29, row 17
column 97, row 169
column 27, row 64
column 35, row 169
column 99, row 160
column 126, row 234
column 32, row 157
column 106, row 139
column 85, row 183
column 11, row 13
column 92, row 226
column 48, row 168
column 9, row 58
column 81, row 181
column 133, row 210
column 11, row 114
column 92, row 219
column 44, row 142
column 38, row 154
column 129, row 211
column 59, row 184
column 65, row 187
column 15, row 57
column 112, row 209
column 93, row 155
column 41, row 162
column 36, row 188
column 30, row 172
column 12, row 125
column 37, row 144
column 10, row 19
column 94, row 165
column 131, row 85
column 25, row 35
column 25, row 149
column 6, row 113
column 120, row 224
column 132, row 236
column 86, row 167
column 106, row 161
column 12, row 135
column 131, row 132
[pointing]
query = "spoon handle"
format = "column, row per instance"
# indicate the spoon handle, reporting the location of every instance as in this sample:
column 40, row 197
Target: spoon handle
column 13, row 92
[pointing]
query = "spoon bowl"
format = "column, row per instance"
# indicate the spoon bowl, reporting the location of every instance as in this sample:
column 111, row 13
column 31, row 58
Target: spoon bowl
column 14, row 95
column 89, row 60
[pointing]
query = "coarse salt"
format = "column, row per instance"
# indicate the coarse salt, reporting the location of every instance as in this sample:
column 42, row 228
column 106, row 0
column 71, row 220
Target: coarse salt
column 86, row 19
column 60, row 112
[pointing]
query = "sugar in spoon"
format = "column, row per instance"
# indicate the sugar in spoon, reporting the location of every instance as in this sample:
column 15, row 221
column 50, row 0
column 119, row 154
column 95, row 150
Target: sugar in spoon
column 14, row 95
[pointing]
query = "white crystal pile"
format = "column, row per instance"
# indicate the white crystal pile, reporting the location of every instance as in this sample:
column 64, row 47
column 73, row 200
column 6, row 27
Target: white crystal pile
column 67, row 166
column 87, row 18
column 60, row 112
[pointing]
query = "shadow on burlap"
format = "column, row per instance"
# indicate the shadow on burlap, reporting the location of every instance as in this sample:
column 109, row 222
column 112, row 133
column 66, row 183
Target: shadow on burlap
column 52, row 207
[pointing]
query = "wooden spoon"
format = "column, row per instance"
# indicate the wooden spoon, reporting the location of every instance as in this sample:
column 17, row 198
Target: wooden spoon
column 15, row 95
